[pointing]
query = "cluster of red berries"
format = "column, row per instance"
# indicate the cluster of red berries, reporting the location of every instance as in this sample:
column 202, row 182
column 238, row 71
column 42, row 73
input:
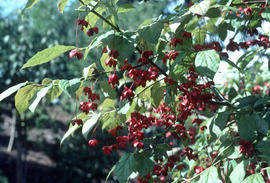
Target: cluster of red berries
column 145, row 57
column 214, row 45
column 78, row 121
column 84, row 24
column 161, row 169
column 246, row 147
column 170, row 55
column 245, row 11
column 174, row 41
column 86, row 106
column 262, row 41
column 194, row 96
column 140, row 77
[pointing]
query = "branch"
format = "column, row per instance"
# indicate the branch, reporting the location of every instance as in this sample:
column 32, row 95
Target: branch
column 225, row 103
column 249, row 2
column 100, row 16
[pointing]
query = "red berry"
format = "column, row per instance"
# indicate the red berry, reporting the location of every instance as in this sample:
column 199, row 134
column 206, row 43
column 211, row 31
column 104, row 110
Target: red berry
column 92, row 143
column 76, row 53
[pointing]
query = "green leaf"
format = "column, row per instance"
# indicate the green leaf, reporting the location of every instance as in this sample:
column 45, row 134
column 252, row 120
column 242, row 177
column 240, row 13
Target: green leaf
column 112, row 119
column 207, row 63
column 151, row 33
column 156, row 94
column 87, row 71
column 247, row 127
column 69, row 132
column 246, row 101
column 222, row 31
column 192, row 24
column 239, row 172
column 11, row 90
column 39, row 95
column 200, row 8
column 246, row 58
column 72, row 128
column 47, row 55
column 254, row 178
column 107, row 104
column 266, row 14
column 104, row 38
column 24, row 96
column 70, row 86
column 262, row 125
column 110, row 172
column 89, row 124
column 199, row 35
column 218, row 123
column 124, row 167
column 210, row 175
column 143, row 163
column 123, row 45
column 61, row 5
column 29, row 4
column 53, row 93
column 92, row 19
column 123, row 8
column 107, row 90
column 213, row 13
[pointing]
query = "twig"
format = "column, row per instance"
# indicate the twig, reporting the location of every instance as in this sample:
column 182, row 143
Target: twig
column 100, row 16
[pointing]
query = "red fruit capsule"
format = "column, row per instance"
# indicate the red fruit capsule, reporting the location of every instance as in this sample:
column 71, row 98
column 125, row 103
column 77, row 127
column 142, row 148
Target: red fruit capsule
column 76, row 53
column 93, row 143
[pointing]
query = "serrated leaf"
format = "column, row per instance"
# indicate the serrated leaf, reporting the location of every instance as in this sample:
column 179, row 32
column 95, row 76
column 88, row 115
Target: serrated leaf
column 47, row 55
column 107, row 104
column 210, row 175
column 266, row 14
column 123, row 45
column 89, row 124
column 151, row 33
column 40, row 94
column 53, row 93
column 69, row 132
column 46, row 81
column 213, row 13
column 200, row 8
column 156, row 94
column 29, row 4
column 11, row 90
column 143, row 163
column 222, row 31
column 92, row 19
column 70, row 86
column 124, row 167
column 104, row 38
column 107, row 90
column 61, row 5
column 218, row 123
column 123, row 8
column 262, row 125
column 239, row 172
column 247, row 127
column 24, row 96
column 199, row 35
column 112, row 119
column 254, row 178
column 207, row 63
column 87, row 71
column 72, row 128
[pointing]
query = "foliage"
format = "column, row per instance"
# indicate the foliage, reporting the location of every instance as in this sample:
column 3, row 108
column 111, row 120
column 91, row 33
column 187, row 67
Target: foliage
column 160, row 102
